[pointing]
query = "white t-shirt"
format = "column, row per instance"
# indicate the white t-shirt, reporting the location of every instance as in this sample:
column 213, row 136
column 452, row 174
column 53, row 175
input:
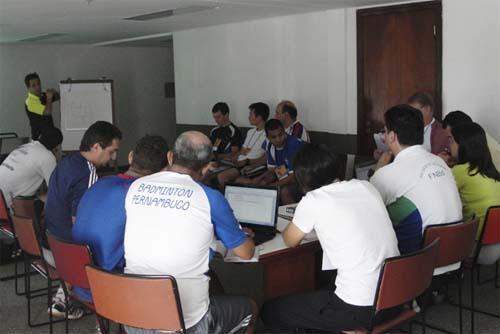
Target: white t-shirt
column 171, row 223
column 253, row 141
column 425, row 180
column 24, row 170
column 355, row 232
column 427, row 136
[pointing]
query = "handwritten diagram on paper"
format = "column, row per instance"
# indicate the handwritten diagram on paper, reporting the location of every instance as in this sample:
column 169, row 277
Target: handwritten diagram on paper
column 82, row 104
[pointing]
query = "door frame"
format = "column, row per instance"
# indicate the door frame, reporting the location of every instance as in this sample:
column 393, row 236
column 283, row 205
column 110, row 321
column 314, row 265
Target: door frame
column 361, row 13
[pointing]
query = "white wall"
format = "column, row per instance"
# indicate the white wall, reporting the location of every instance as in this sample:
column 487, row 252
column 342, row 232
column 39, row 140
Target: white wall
column 139, row 75
column 311, row 59
column 303, row 58
column 471, row 60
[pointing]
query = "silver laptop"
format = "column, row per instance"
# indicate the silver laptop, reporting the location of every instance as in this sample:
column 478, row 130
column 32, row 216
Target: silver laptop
column 255, row 207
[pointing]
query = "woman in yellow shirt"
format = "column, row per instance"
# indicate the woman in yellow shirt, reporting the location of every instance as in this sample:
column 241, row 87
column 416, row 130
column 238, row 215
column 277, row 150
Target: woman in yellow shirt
column 478, row 180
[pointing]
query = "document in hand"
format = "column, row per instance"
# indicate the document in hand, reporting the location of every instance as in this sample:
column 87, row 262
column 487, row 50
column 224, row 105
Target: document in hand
column 379, row 141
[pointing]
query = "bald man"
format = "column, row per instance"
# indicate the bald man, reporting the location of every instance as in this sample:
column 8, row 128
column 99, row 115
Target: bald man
column 184, row 217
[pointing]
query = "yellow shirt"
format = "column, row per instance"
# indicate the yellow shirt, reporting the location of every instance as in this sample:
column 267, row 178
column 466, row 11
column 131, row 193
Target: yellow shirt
column 477, row 192
column 34, row 104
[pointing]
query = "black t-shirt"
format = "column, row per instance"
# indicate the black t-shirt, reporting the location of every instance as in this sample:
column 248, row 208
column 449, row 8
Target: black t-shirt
column 225, row 137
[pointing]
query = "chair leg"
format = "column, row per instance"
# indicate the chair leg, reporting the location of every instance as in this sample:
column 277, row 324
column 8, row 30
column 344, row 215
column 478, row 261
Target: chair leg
column 472, row 301
column 497, row 283
column 66, row 301
column 460, row 310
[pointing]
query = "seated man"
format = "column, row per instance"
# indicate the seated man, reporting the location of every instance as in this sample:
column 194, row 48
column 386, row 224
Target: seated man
column 25, row 168
column 286, row 112
column 458, row 117
column 100, row 219
column 226, row 137
column 72, row 176
column 356, row 235
column 172, row 220
column 435, row 138
column 280, row 150
column 251, row 154
column 418, row 187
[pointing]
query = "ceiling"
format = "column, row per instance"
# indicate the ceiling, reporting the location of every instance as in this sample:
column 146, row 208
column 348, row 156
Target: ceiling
column 102, row 21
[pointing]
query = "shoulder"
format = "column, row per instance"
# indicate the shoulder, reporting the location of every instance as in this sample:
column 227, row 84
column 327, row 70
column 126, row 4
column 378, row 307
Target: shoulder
column 460, row 170
column 294, row 141
column 214, row 130
column 213, row 196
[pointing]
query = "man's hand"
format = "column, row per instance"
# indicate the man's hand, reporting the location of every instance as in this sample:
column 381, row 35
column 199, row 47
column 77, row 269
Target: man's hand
column 49, row 94
column 384, row 159
column 249, row 232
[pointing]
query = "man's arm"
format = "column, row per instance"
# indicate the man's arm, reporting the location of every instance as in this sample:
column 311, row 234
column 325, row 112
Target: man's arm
column 289, row 179
column 292, row 235
column 246, row 250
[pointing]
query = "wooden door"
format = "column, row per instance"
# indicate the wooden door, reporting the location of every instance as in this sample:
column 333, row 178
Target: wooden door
column 399, row 53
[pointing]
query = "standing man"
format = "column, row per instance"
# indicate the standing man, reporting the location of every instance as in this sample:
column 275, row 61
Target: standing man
column 286, row 112
column 172, row 219
column 39, row 105
column 100, row 219
column 435, row 138
column 418, row 187
column 71, row 178
column 226, row 137
column 25, row 168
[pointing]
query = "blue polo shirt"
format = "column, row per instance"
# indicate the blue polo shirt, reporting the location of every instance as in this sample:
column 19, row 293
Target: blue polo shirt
column 70, row 179
column 282, row 156
column 100, row 223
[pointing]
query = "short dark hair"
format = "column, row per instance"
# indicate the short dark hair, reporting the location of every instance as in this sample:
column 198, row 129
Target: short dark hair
column 273, row 124
column 473, row 149
column 260, row 109
column 50, row 137
column 423, row 98
column 150, row 154
column 455, row 118
column 290, row 110
column 407, row 123
column 222, row 107
column 191, row 155
column 101, row 133
column 29, row 77
column 314, row 166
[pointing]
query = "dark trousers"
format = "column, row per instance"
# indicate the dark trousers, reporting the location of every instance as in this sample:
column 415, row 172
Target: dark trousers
column 318, row 311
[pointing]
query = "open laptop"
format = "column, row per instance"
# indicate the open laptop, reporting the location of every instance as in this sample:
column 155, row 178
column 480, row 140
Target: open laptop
column 255, row 207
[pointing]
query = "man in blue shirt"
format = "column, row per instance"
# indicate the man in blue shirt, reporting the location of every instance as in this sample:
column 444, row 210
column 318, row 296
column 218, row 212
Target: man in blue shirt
column 72, row 176
column 280, row 150
column 100, row 219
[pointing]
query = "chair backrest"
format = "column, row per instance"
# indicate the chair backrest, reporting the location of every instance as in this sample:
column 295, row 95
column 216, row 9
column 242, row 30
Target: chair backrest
column 4, row 210
column 456, row 240
column 24, row 207
column 149, row 302
column 26, row 235
column 70, row 259
column 403, row 278
column 491, row 228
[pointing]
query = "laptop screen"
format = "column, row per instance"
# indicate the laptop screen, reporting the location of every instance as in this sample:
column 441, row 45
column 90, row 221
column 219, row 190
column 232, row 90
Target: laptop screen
column 253, row 205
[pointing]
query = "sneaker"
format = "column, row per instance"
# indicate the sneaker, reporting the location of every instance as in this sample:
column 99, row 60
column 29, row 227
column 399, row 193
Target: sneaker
column 59, row 310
